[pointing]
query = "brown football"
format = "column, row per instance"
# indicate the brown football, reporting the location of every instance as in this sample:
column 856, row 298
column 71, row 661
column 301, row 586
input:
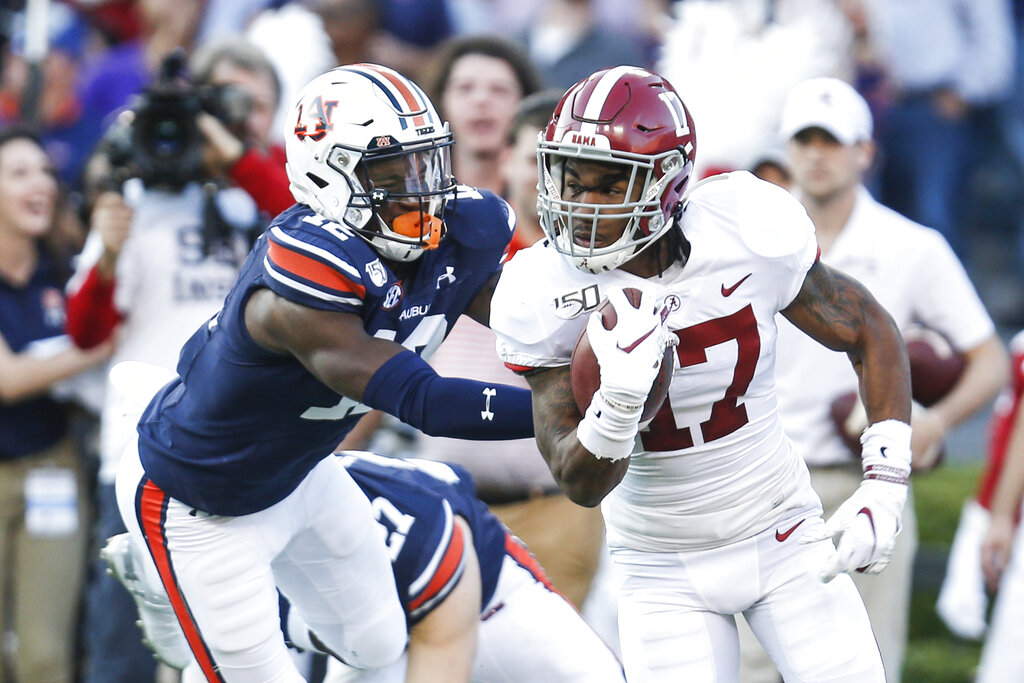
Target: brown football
column 935, row 366
column 585, row 374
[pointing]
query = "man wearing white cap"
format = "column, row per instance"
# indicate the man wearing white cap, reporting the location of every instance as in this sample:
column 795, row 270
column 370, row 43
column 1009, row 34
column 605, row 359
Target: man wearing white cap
column 913, row 273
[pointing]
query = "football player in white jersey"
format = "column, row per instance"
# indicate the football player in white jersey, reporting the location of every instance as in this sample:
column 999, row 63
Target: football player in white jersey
column 709, row 510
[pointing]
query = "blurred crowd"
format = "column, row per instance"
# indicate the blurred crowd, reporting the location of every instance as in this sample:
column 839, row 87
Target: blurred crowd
column 141, row 153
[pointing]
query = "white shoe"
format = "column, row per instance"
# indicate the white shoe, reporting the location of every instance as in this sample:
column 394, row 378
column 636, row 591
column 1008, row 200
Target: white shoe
column 159, row 625
column 962, row 601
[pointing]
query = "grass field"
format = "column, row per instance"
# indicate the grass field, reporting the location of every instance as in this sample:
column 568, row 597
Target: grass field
column 933, row 654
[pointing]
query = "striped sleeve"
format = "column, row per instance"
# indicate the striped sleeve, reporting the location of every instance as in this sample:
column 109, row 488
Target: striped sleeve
column 442, row 572
column 311, row 275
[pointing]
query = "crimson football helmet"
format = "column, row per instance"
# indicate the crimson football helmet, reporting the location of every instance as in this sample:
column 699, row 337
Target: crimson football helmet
column 625, row 116
column 366, row 148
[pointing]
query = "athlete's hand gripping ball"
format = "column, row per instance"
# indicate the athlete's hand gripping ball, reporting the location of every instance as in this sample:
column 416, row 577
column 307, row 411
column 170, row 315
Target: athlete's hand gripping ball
column 630, row 353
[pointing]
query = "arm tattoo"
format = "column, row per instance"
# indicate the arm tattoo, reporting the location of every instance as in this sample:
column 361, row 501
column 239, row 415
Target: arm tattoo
column 555, row 413
column 832, row 307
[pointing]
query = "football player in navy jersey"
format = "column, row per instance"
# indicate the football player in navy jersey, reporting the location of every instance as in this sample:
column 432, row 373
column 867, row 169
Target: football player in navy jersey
column 335, row 308
column 478, row 605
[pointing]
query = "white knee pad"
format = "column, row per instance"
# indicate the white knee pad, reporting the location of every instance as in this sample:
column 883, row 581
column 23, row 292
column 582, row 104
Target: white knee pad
column 368, row 643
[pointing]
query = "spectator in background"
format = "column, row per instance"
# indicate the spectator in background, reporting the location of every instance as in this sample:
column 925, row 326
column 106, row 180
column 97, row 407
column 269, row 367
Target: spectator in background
column 158, row 266
column 772, row 165
column 519, row 164
column 402, row 34
column 58, row 109
column 478, row 82
column 1002, row 550
column 254, row 159
column 915, row 275
column 761, row 49
column 567, row 43
column 962, row 603
column 944, row 60
column 43, row 484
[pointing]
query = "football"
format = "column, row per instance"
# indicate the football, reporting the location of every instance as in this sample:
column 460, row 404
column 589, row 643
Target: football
column 849, row 418
column 585, row 374
column 935, row 366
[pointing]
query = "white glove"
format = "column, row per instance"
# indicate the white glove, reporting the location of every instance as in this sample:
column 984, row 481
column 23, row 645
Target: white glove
column 866, row 525
column 629, row 356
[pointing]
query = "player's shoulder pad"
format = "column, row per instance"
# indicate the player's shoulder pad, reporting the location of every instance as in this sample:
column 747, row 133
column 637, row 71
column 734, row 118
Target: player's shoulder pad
column 314, row 256
column 771, row 222
column 479, row 218
column 539, row 307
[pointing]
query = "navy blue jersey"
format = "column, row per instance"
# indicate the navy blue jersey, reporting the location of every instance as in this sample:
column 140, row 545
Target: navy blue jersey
column 242, row 426
column 416, row 501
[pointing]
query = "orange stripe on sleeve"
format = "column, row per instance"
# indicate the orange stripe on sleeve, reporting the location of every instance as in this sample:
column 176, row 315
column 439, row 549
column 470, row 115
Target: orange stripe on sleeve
column 311, row 269
column 446, row 570
column 152, row 504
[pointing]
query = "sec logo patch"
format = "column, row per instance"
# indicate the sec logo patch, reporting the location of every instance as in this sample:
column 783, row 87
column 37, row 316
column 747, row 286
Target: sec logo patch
column 393, row 297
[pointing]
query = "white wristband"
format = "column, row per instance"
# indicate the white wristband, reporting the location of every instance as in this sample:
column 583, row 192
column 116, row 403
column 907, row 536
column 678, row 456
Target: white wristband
column 607, row 431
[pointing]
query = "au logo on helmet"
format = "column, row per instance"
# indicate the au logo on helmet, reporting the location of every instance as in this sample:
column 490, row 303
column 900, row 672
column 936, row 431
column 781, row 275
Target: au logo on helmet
column 322, row 112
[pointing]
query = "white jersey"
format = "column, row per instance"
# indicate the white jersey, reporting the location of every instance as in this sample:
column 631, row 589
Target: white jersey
column 915, row 275
column 714, row 466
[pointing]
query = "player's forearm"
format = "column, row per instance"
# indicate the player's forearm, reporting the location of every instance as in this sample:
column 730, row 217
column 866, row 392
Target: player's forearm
column 985, row 374
column 839, row 312
column 406, row 387
column 23, row 376
column 585, row 478
column 1010, row 490
column 881, row 361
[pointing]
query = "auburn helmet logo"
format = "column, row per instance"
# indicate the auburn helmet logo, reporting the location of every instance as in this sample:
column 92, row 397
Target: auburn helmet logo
column 322, row 112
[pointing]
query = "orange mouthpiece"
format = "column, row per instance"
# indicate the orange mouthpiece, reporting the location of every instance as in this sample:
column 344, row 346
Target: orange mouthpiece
column 419, row 225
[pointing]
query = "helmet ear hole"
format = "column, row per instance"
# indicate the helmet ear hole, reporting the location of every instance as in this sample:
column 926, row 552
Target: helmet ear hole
column 320, row 182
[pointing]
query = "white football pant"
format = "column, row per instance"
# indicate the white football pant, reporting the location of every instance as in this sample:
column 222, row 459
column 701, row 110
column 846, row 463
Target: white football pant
column 320, row 545
column 528, row 633
column 677, row 623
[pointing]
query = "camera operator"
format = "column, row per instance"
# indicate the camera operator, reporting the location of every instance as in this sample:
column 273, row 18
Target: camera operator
column 169, row 231
column 252, row 160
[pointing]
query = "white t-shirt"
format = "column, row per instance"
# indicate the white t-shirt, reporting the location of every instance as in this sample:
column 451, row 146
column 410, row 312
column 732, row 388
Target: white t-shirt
column 165, row 289
column 715, row 466
column 915, row 275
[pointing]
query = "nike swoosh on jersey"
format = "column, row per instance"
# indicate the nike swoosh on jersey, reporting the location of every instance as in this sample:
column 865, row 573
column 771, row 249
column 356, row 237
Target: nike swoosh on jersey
column 783, row 536
column 727, row 291
column 629, row 349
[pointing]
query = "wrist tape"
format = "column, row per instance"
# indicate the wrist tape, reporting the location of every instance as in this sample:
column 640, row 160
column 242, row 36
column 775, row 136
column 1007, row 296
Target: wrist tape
column 886, row 452
column 609, row 428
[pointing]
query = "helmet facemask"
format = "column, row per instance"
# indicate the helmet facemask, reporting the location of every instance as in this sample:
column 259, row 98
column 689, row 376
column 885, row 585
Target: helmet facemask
column 398, row 195
column 646, row 178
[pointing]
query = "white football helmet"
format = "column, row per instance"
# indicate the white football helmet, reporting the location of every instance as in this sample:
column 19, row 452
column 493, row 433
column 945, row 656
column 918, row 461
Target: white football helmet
column 631, row 119
column 367, row 149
